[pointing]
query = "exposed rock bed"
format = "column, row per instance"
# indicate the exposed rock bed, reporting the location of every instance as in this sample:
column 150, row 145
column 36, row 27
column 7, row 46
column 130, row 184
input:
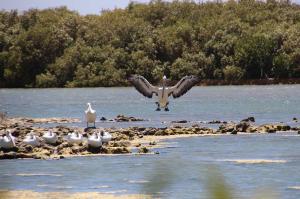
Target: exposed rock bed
column 247, row 127
column 123, row 139
column 123, row 118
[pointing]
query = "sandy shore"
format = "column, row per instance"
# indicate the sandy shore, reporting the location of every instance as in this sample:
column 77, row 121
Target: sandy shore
column 28, row 194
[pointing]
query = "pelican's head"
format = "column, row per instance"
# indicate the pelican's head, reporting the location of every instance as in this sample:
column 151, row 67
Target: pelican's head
column 8, row 132
column 88, row 104
column 164, row 80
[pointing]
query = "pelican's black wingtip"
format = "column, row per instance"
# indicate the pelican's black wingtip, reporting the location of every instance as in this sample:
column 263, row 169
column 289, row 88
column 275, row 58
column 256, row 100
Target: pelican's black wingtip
column 131, row 77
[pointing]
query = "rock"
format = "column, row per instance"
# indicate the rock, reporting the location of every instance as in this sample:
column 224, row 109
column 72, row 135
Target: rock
column 298, row 132
column 234, row 132
column 103, row 119
column 180, row 121
column 217, row 122
column 138, row 145
column 143, row 150
column 224, row 128
column 150, row 131
column 271, row 131
column 249, row 119
column 272, row 128
column 242, row 126
column 77, row 149
column 119, row 150
column 14, row 155
column 120, row 144
column 122, row 118
column 152, row 143
column 94, row 150
column 65, row 151
column 283, row 127
column 295, row 119
column 159, row 132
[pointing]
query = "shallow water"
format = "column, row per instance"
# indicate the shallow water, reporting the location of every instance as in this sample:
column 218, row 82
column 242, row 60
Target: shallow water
column 250, row 163
column 278, row 103
column 182, row 171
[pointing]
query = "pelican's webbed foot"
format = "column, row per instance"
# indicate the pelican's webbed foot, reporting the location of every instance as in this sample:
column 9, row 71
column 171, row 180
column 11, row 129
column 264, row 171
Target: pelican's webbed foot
column 158, row 107
column 167, row 108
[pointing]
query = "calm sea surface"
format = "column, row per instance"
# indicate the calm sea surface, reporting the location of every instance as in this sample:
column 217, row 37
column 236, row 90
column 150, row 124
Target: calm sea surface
column 185, row 167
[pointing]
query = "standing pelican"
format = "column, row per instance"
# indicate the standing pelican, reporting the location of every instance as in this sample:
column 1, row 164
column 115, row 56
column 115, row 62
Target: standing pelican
column 90, row 115
column 163, row 93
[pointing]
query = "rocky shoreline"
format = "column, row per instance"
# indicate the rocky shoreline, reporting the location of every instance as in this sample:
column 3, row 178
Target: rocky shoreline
column 124, row 140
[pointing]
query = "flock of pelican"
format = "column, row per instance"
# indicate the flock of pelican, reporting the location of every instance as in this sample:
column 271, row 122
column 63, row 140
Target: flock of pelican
column 98, row 138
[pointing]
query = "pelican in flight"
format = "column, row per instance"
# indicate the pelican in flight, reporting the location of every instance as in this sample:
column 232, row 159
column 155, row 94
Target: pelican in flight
column 90, row 115
column 163, row 93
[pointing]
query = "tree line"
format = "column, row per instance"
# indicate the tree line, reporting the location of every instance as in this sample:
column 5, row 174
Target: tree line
column 233, row 40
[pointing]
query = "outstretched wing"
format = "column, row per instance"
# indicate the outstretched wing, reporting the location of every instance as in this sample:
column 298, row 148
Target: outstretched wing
column 183, row 86
column 143, row 86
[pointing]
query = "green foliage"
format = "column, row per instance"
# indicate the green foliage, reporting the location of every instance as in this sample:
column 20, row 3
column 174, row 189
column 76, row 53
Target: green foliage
column 281, row 66
column 232, row 40
column 233, row 73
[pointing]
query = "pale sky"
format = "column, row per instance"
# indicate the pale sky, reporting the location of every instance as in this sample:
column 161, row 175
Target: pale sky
column 82, row 6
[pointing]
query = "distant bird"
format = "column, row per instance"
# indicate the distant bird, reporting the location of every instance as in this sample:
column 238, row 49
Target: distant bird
column 95, row 140
column 50, row 137
column 8, row 141
column 31, row 139
column 106, row 136
column 74, row 138
column 90, row 115
column 147, row 89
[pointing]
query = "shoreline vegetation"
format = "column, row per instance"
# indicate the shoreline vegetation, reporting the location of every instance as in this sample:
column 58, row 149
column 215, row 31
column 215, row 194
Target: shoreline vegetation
column 233, row 42
column 131, row 140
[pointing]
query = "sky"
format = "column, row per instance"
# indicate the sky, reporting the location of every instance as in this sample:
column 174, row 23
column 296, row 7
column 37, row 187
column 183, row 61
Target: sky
column 82, row 6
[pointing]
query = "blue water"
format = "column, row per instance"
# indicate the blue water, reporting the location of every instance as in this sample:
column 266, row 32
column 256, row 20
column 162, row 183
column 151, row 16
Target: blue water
column 278, row 103
column 183, row 169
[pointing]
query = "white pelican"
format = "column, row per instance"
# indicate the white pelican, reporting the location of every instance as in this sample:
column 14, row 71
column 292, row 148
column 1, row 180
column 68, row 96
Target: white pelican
column 50, row 137
column 106, row 136
column 95, row 140
column 163, row 93
column 90, row 115
column 31, row 139
column 74, row 138
column 8, row 141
